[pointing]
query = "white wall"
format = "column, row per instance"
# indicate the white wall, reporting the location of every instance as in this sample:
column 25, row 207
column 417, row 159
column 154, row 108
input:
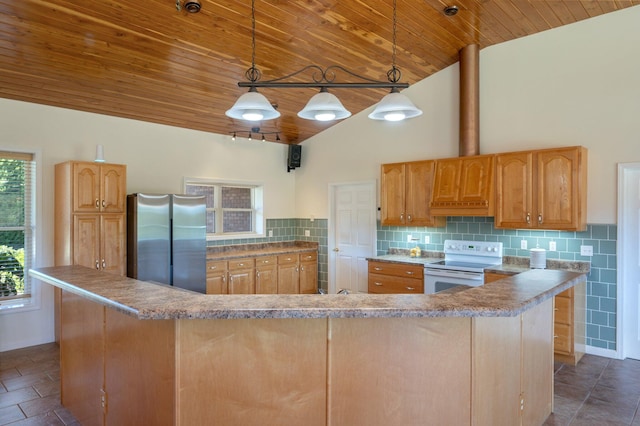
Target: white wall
column 157, row 158
column 575, row 85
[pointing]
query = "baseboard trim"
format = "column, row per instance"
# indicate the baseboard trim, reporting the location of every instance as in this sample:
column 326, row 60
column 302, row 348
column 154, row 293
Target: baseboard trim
column 608, row 353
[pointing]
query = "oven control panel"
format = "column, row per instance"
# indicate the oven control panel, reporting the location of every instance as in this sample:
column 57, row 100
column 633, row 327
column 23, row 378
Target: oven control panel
column 478, row 248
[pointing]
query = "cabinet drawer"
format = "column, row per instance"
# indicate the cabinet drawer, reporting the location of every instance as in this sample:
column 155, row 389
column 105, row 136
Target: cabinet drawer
column 215, row 267
column 397, row 269
column 266, row 261
column 563, row 310
column 287, row 259
column 562, row 339
column 308, row 257
column 243, row 263
column 389, row 284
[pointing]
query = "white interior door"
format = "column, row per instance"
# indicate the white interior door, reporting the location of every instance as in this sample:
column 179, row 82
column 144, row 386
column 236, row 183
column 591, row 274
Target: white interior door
column 352, row 235
column 629, row 257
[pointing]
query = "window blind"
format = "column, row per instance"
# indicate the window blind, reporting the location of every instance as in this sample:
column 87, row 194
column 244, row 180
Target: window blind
column 17, row 224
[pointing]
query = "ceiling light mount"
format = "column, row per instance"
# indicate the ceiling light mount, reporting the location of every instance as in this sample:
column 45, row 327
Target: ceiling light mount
column 324, row 106
column 254, row 131
column 451, row 10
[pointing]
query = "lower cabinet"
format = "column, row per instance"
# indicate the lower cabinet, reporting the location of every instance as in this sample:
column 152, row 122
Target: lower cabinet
column 569, row 324
column 386, row 277
column 267, row 275
column 284, row 274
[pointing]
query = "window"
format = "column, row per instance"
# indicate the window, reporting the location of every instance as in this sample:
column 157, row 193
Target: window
column 234, row 210
column 17, row 227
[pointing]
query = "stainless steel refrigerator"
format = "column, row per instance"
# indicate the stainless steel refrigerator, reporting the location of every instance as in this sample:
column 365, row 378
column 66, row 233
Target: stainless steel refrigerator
column 167, row 240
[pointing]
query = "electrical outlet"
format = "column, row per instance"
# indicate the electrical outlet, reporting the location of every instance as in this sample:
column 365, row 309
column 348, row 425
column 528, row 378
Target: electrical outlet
column 409, row 238
column 523, row 244
column 271, row 232
column 586, row 250
column 552, row 246
column 307, row 233
column 427, row 239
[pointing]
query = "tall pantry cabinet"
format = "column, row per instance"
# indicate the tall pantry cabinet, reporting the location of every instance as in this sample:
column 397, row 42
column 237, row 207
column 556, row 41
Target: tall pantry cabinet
column 90, row 217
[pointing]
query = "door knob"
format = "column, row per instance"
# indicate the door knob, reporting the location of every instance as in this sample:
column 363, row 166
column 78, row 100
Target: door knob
column 336, row 249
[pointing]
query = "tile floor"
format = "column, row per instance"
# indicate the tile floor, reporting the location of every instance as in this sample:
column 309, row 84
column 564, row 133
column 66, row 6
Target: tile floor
column 596, row 392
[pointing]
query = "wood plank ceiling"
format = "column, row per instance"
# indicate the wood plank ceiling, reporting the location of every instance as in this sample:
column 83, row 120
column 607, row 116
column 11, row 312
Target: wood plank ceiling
column 145, row 60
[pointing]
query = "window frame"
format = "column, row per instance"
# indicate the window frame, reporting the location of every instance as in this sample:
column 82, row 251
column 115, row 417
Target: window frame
column 257, row 195
column 34, row 301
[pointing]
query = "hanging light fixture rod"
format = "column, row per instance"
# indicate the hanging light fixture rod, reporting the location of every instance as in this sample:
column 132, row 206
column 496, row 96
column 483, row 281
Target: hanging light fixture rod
column 325, row 78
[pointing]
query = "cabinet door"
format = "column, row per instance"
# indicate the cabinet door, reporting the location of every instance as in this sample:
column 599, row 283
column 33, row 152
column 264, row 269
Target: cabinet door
column 86, row 240
column 514, row 190
column 447, row 180
column 419, row 187
column 559, row 203
column 86, row 187
column 476, row 179
column 288, row 279
column 308, row 277
column 242, row 282
column 217, row 277
column 113, row 244
column 267, row 279
column 114, row 188
column 392, row 194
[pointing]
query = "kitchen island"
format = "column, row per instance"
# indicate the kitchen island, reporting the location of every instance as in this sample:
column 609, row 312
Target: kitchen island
column 139, row 353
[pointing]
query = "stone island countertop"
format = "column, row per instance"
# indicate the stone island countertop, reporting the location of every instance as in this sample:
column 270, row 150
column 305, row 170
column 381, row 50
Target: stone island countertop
column 507, row 297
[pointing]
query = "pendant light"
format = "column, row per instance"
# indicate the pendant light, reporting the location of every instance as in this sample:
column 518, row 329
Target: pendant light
column 253, row 106
column 395, row 106
column 324, row 106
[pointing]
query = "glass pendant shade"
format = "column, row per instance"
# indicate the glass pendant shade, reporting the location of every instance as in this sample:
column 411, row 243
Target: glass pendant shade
column 395, row 107
column 324, row 106
column 252, row 106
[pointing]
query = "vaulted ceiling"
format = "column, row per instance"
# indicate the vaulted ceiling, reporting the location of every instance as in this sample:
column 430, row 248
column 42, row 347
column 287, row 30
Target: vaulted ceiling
column 146, row 60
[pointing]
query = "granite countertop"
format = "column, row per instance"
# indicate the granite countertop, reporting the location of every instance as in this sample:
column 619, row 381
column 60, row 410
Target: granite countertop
column 256, row 250
column 511, row 265
column 507, row 297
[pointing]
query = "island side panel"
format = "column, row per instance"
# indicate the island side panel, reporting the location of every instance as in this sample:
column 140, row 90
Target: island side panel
column 82, row 358
column 537, row 363
column 496, row 371
column 252, row 371
column 139, row 370
column 394, row 371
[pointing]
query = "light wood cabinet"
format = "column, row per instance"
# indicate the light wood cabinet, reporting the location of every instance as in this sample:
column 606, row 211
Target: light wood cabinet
column 288, row 274
column 406, row 193
column 242, row 276
column 291, row 273
column 90, row 222
column 463, row 186
column 387, row 277
column 569, row 324
column 217, row 277
column 267, row 275
column 490, row 277
column 544, row 189
column 308, row 273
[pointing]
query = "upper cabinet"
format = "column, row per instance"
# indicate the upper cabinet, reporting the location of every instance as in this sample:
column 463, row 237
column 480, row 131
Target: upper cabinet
column 98, row 187
column 463, row 186
column 543, row 189
column 405, row 194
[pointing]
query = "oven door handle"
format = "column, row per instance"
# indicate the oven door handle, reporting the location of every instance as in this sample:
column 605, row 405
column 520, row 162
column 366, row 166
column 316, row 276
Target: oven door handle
column 454, row 274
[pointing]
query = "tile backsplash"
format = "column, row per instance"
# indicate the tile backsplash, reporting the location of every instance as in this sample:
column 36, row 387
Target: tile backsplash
column 601, row 281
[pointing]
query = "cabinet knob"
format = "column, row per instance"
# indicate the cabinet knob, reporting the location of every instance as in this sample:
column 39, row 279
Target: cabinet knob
column 411, row 288
column 104, row 204
column 377, row 268
column 240, row 264
column 302, row 268
column 540, row 219
column 97, row 203
column 409, row 217
column 378, row 284
column 409, row 272
column 97, row 264
column 104, row 264
column 213, row 267
column 528, row 217
column 401, row 216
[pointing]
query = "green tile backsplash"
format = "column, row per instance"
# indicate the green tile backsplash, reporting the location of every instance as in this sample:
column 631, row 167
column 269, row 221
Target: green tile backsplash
column 601, row 281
